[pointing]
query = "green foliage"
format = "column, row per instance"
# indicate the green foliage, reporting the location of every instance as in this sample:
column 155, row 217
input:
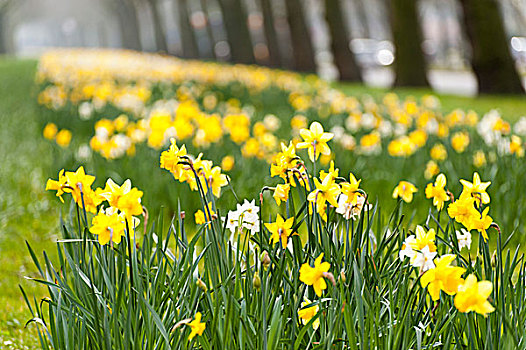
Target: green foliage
column 141, row 292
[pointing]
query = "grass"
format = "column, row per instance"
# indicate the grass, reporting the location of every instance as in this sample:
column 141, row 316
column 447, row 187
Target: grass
column 28, row 213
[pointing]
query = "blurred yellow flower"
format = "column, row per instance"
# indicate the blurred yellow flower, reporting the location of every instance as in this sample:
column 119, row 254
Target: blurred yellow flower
column 473, row 296
column 460, row 141
column 438, row 152
column 479, row 159
column 432, row 169
column 227, row 163
column 63, row 138
column 50, row 130
column 405, row 191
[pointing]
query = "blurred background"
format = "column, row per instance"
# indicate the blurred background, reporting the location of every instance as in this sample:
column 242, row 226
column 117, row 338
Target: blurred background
column 455, row 46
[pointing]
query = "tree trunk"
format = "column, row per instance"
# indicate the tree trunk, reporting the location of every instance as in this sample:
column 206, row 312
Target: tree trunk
column 301, row 40
column 270, row 33
column 362, row 15
column 3, row 30
column 343, row 56
column 409, row 65
column 238, row 34
column 158, row 29
column 209, row 31
column 128, row 24
column 491, row 59
column 189, row 43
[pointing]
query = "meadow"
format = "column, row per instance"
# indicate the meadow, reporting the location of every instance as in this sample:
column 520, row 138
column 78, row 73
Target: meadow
column 118, row 122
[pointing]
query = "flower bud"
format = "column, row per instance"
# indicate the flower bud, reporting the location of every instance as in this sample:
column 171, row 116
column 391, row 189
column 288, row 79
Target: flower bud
column 201, row 285
column 256, row 281
column 343, row 278
column 494, row 259
column 265, row 259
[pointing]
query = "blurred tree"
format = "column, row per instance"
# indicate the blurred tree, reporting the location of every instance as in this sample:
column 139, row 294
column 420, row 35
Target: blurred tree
column 303, row 51
column 362, row 16
column 128, row 23
column 188, row 40
column 410, row 64
column 158, row 28
column 3, row 27
column 238, row 34
column 209, row 30
column 343, row 56
column 491, row 59
column 270, row 33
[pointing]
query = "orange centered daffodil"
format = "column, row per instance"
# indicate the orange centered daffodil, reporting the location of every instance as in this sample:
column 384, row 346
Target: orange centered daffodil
column 280, row 230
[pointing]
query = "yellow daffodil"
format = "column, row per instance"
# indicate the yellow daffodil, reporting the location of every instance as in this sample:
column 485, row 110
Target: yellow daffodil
column 307, row 313
column 460, row 141
column 481, row 222
column 227, row 163
column 437, row 192
column 479, row 159
column 215, row 180
column 432, row 169
column 350, row 189
column 476, row 188
column 280, row 230
column 405, row 191
column 333, row 173
column 58, row 185
column 170, row 159
column 79, row 185
column 63, row 138
column 438, row 152
column 315, row 140
column 196, row 326
column 50, row 130
column 442, row 277
column 199, row 217
column 281, row 193
column 473, row 295
column 108, row 226
column 326, row 191
column 314, row 276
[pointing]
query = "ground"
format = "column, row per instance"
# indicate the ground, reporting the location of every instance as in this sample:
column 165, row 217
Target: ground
column 28, row 213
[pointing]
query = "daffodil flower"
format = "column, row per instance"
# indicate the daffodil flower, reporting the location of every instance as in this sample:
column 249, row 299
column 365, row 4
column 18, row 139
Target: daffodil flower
column 315, row 140
column 473, row 295
column 280, row 230
column 314, row 276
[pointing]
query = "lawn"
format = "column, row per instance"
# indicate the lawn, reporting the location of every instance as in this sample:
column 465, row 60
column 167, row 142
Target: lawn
column 28, row 213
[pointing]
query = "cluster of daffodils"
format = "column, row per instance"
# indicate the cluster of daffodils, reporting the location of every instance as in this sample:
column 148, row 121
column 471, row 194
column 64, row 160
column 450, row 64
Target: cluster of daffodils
column 437, row 274
column 200, row 174
column 109, row 223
